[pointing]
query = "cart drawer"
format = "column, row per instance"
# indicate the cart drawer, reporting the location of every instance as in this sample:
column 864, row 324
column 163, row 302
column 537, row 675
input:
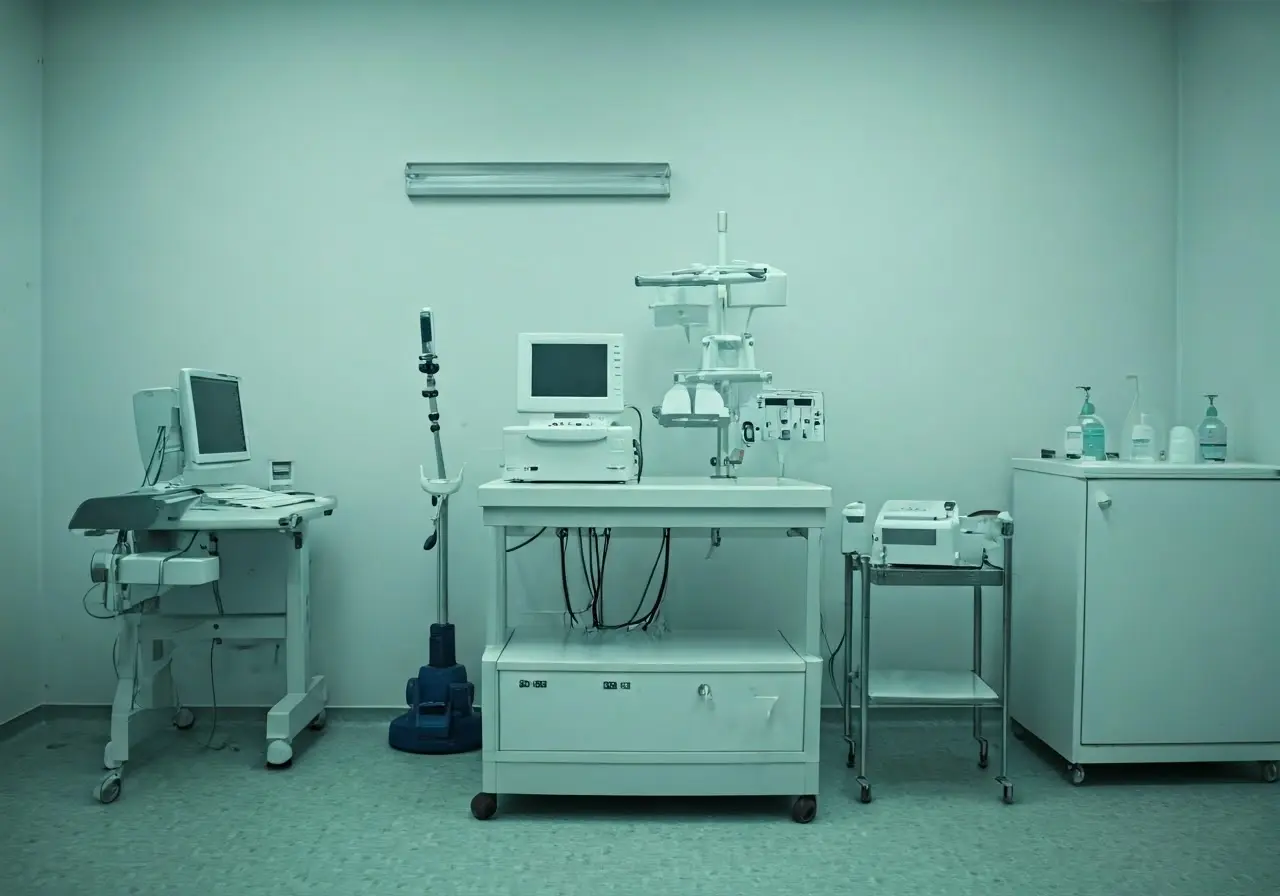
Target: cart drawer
column 650, row 712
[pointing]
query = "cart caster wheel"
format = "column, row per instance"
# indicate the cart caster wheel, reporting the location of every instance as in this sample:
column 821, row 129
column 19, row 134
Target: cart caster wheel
column 865, row 795
column 318, row 723
column 852, row 761
column 1018, row 732
column 1270, row 772
column 484, row 806
column 184, row 719
column 108, row 789
column 107, row 762
column 1075, row 773
column 983, row 761
column 1007, row 796
column 804, row 809
column 279, row 755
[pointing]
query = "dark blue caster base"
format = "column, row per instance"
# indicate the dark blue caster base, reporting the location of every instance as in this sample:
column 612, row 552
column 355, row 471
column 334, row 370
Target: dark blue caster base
column 463, row 735
column 442, row 717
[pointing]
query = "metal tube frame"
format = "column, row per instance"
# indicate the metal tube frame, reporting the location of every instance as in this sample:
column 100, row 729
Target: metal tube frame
column 857, row 758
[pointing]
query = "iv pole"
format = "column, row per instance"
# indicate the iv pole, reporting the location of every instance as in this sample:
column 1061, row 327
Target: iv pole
column 442, row 716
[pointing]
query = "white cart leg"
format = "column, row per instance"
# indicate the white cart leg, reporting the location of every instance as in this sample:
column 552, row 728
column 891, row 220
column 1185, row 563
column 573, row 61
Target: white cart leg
column 813, row 647
column 497, row 635
column 306, row 695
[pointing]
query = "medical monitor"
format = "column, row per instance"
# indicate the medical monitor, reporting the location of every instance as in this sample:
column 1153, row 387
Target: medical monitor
column 212, row 418
column 569, row 373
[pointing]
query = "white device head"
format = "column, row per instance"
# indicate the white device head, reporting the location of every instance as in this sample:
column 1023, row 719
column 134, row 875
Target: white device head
column 212, row 419
column 569, row 373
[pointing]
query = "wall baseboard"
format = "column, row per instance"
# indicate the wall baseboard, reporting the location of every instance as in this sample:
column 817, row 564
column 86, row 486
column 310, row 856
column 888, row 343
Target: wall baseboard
column 370, row 715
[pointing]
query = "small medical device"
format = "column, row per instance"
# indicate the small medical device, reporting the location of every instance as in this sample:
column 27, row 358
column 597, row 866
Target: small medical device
column 281, row 476
column 708, row 397
column 918, row 533
column 784, row 415
column 852, row 535
column 212, row 418
column 573, row 383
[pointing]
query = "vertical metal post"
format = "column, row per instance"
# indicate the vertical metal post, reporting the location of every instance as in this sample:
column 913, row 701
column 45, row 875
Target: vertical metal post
column 864, row 671
column 977, row 671
column 1005, row 685
column 848, row 650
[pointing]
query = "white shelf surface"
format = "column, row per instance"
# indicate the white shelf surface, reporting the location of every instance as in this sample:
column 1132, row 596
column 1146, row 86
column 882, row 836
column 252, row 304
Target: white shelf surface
column 1120, row 469
column 910, row 687
column 636, row 651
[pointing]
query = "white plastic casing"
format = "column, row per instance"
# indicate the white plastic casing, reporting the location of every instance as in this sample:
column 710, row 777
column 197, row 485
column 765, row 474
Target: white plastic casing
column 853, row 534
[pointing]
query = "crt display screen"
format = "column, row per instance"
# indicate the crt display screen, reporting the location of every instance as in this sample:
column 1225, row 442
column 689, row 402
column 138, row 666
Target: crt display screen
column 569, row 370
column 215, row 405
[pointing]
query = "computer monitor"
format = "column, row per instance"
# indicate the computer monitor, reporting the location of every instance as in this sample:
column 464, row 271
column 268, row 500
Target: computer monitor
column 212, row 419
column 569, row 373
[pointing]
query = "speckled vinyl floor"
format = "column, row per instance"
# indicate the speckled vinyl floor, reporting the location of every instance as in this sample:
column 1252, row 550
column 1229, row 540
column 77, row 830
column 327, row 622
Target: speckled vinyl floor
column 352, row 817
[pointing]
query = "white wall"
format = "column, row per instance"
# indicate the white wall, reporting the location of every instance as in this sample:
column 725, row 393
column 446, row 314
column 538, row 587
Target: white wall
column 21, row 44
column 975, row 202
column 1229, row 287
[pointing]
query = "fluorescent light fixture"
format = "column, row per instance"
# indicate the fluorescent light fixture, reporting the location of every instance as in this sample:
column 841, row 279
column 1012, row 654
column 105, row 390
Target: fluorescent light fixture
column 511, row 179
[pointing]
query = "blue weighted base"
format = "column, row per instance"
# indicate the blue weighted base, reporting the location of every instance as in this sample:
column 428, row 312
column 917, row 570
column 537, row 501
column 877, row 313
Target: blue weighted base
column 442, row 717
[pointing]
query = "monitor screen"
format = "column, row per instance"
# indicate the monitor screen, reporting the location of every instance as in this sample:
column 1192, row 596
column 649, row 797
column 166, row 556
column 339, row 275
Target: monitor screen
column 569, row 370
column 219, row 421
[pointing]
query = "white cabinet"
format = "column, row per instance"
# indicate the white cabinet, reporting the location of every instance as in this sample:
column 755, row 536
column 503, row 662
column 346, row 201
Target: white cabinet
column 1146, row 611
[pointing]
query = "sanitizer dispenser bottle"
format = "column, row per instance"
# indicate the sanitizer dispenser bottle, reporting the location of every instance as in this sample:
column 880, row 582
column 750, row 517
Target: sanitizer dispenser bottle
column 1093, row 431
column 1213, row 435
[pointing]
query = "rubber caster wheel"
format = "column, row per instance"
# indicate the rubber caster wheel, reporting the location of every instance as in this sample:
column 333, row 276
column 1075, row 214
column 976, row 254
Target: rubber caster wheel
column 108, row 789
column 852, row 761
column 865, row 794
column 1075, row 774
column 983, row 760
column 1007, row 796
column 279, row 755
column 108, row 762
column 484, row 806
column 804, row 809
column 318, row 723
column 1018, row 732
column 1270, row 772
column 184, row 719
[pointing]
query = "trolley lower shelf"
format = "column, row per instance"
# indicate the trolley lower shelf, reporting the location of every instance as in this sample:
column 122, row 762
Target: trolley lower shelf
column 915, row 688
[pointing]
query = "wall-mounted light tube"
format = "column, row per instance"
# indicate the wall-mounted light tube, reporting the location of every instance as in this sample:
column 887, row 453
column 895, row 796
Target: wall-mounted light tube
column 514, row 179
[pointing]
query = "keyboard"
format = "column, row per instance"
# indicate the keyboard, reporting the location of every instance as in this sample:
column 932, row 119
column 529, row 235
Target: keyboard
column 249, row 496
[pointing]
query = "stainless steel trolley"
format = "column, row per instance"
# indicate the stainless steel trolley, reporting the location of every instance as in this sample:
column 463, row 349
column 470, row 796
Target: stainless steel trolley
column 883, row 688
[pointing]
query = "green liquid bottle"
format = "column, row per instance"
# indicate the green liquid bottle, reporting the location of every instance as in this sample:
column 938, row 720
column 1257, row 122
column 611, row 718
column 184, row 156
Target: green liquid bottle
column 1092, row 430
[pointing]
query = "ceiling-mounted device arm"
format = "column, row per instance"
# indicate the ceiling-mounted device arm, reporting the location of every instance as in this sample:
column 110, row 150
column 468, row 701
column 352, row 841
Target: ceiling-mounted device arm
column 440, row 486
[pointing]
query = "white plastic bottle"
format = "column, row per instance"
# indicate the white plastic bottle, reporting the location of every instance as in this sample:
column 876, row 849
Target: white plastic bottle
column 1142, row 443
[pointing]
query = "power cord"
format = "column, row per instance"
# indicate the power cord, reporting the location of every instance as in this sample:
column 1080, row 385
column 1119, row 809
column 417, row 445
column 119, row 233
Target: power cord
column 213, row 692
column 157, row 450
column 638, row 443
column 663, row 556
column 831, row 663
column 528, row 541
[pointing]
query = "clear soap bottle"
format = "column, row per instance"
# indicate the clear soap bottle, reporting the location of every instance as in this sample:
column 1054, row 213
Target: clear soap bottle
column 1213, row 435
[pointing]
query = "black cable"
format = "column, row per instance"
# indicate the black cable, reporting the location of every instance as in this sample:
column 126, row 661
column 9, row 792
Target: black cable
column 84, row 602
column 528, row 541
column 831, row 663
column 563, row 536
column 157, row 448
column 663, row 546
column 587, row 574
column 639, row 443
column 213, row 692
column 662, row 588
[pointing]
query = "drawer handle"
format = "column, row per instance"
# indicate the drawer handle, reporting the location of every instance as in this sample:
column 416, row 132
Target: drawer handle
column 704, row 691
column 770, row 703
